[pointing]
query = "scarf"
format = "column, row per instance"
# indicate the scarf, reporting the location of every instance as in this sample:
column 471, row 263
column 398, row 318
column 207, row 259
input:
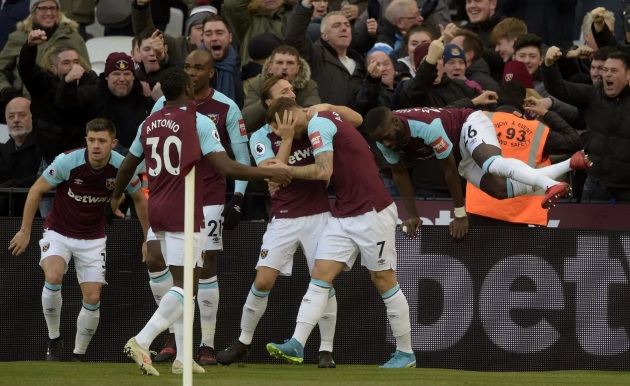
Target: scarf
column 226, row 69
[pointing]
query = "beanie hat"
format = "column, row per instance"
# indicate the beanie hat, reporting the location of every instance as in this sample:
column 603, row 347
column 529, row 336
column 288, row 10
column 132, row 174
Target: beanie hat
column 34, row 4
column 197, row 15
column 261, row 46
column 516, row 71
column 419, row 53
column 452, row 51
column 386, row 48
column 118, row 61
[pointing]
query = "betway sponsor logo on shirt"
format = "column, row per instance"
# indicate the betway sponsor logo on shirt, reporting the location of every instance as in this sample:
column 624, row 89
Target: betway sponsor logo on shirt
column 299, row 155
column 87, row 199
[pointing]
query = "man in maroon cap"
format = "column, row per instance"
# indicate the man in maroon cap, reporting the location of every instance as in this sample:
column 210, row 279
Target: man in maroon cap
column 116, row 95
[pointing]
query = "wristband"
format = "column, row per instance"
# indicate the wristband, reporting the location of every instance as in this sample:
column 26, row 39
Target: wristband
column 460, row 212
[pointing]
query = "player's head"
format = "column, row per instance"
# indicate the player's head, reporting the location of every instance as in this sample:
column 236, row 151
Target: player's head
column 176, row 84
column 512, row 93
column 282, row 106
column 385, row 127
column 100, row 136
column 274, row 88
column 199, row 65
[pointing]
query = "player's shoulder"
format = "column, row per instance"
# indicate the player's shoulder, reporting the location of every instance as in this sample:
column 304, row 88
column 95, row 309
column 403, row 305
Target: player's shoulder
column 71, row 158
column 222, row 98
column 260, row 134
column 116, row 159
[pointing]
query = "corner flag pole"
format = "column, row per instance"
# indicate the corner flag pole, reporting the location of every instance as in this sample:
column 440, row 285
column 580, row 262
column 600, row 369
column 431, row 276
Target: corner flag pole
column 189, row 265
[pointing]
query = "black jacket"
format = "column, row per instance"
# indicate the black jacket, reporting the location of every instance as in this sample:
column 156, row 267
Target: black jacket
column 19, row 167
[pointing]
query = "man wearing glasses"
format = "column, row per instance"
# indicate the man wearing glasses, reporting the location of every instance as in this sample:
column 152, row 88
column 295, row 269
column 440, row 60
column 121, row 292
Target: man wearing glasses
column 46, row 16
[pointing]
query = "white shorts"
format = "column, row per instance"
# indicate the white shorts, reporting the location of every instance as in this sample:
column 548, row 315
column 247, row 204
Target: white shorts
column 214, row 227
column 478, row 129
column 282, row 238
column 172, row 245
column 373, row 234
column 89, row 255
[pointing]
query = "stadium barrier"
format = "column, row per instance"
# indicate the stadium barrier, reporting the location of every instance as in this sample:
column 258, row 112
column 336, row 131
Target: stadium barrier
column 522, row 299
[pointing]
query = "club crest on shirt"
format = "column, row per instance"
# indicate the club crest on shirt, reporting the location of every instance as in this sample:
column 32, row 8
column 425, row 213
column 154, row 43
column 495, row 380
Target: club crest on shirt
column 214, row 118
column 215, row 135
column 45, row 247
column 316, row 140
column 508, row 77
column 260, row 148
column 263, row 253
column 110, row 183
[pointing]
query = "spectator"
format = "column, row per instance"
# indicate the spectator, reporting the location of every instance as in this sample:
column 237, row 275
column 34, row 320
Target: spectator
column 414, row 37
column 58, row 130
column 504, row 34
column 455, row 66
column 260, row 49
column 336, row 68
column 154, row 59
column 160, row 14
column 286, row 63
column 483, row 16
column 19, row 158
column 593, row 24
column 596, row 67
column 45, row 16
column 477, row 68
column 116, row 95
column 320, row 9
column 217, row 38
column 532, row 142
column 400, row 16
column 249, row 18
column 605, row 107
column 180, row 46
column 12, row 12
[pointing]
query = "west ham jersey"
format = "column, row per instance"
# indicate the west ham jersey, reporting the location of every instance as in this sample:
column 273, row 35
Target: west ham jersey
column 358, row 185
column 301, row 197
column 164, row 138
column 78, row 208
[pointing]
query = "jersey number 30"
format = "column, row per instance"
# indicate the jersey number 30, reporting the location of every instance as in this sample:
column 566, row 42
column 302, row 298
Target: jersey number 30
column 165, row 158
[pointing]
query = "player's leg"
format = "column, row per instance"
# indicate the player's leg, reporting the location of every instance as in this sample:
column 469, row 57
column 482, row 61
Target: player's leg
column 208, row 293
column 89, row 260
column 314, row 226
column 375, row 233
column 280, row 242
column 54, row 262
column 335, row 252
column 160, row 282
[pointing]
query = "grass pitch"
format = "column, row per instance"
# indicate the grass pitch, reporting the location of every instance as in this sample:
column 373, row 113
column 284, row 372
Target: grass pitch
column 115, row 374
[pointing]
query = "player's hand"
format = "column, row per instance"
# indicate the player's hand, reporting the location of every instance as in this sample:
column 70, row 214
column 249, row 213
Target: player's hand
column 436, row 50
column 581, row 52
column 535, row 105
column 279, row 172
column 411, row 226
column 459, row 228
column 273, row 188
column 36, row 37
column 232, row 212
column 553, row 54
column 372, row 26
column 374, row 69
column 317, row 108
column 486, row 98
column 112, row 211
column 144, row 252
column 285, row 126
column 351, row 11
column 19, row 242
column 157, row 43
column 76, row 72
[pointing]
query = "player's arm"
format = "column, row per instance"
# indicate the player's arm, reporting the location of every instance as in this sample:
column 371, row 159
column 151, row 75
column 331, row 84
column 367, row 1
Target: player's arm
column 405, row 188
column 231, row 169
column 459, row 226
column 347, row 114
column 20, row 241
column 322, row 169
column 140, row 203
column 126, row 172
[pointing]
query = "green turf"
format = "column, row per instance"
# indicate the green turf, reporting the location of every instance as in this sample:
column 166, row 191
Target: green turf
column 115, row 374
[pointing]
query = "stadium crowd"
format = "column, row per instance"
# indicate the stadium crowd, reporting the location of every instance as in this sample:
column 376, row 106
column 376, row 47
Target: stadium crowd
column 416, row 80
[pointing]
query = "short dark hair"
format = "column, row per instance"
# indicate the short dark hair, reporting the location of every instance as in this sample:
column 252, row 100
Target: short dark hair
column 472, row 42
column 101, row 124
column 287, row 50
column 279, row 106
column 413, row 30
column 142, row 36
column 265, row 91
column 602, row 53
column 174, row 81
column 625, row 59
column 375, row 118
column 513, row 92
column 528, row 40
column 215, row 17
